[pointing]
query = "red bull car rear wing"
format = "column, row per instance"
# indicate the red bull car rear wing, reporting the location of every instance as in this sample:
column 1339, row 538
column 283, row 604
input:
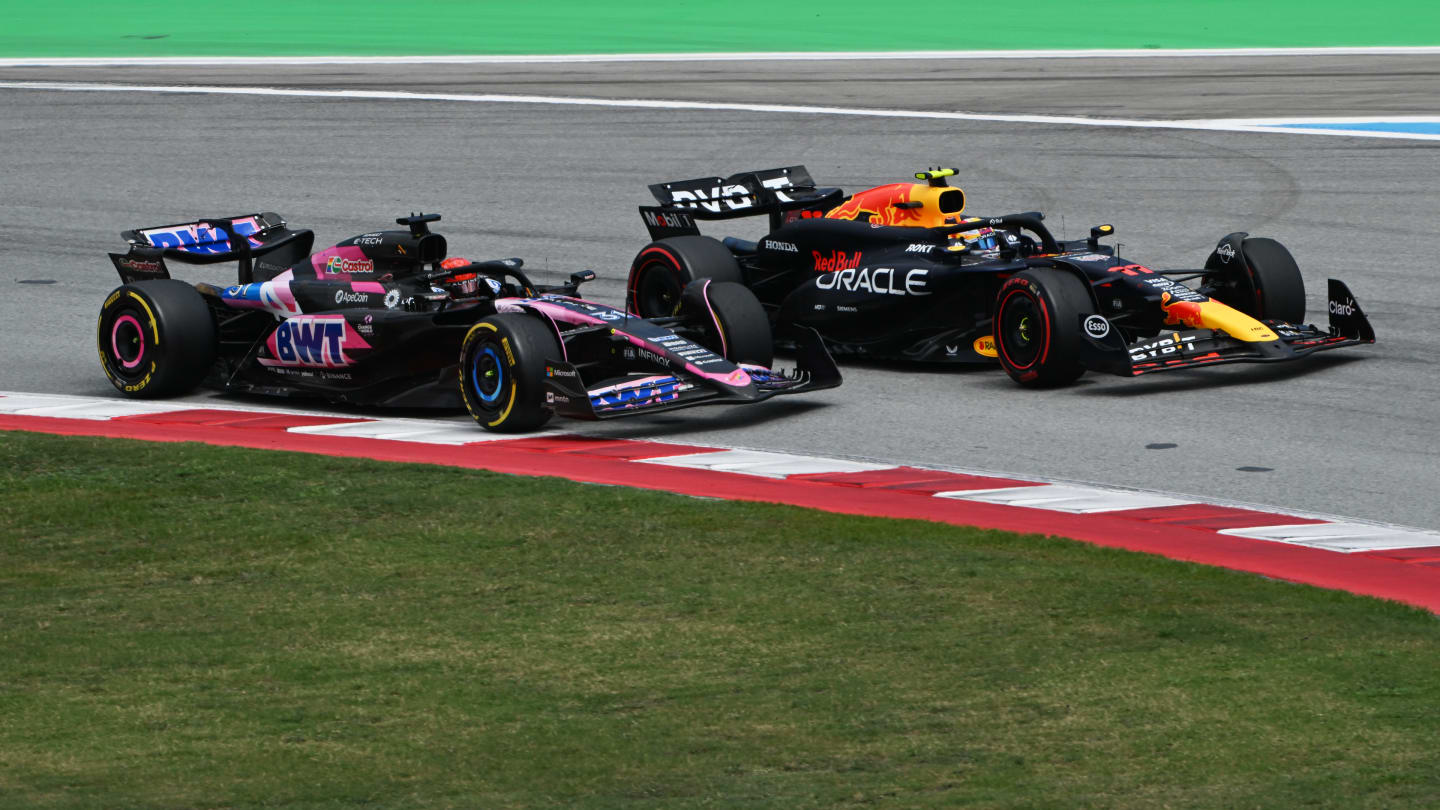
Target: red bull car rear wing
column 767, row 191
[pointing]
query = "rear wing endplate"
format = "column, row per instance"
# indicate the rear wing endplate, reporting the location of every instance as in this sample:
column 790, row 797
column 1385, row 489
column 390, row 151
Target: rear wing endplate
column 768, row 191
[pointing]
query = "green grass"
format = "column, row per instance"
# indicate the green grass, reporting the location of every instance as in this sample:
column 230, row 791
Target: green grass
column 87, row 28
column 199, row 627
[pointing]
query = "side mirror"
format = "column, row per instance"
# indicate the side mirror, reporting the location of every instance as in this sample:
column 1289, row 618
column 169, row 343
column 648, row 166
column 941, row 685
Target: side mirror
column 1097, row 232
column 572, row 287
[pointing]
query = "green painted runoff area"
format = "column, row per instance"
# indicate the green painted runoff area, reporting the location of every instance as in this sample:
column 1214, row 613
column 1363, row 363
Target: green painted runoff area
column 99, row 28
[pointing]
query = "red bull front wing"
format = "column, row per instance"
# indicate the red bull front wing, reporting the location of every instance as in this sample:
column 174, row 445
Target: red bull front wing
column 1209, row 333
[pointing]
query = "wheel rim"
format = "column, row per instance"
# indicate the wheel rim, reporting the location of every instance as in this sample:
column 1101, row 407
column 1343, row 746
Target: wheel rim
column 1022, row 330
column 658, row 292
column 487, row 375
column 127, row 342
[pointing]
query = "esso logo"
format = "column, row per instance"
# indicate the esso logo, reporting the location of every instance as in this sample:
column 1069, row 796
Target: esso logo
column 1096, row 326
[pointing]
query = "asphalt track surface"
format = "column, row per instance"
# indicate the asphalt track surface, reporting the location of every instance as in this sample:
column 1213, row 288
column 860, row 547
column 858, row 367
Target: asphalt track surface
column 1351, row 432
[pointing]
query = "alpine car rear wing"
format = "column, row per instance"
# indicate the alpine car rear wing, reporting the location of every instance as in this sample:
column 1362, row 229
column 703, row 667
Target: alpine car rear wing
column 207, row 241
column 768, row 191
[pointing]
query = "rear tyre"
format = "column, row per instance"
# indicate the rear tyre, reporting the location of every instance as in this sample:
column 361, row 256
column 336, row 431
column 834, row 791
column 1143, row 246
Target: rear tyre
column 1272, row 287
column 1037, row 327
column 502, row 372
column 156, row 338
column 735, row 325
column 661, row 271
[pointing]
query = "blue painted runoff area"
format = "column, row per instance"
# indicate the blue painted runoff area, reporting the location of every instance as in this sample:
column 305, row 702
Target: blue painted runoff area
column 1408, row 127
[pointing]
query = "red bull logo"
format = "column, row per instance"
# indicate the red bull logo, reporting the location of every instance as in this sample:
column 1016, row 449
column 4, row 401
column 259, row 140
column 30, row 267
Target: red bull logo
column 903, row 204
column 1182, row 313
column 878, row 206
column 837, row 260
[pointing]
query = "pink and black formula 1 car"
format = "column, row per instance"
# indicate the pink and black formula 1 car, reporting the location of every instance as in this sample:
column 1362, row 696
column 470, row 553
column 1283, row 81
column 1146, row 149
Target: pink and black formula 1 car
column 384, row 318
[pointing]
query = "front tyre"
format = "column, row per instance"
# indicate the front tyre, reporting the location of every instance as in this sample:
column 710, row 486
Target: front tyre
column 502, row 372
column 733, row 321
column 156, row 338
column 1281, row 294
column 663, row 269
column 1037, row 327
column 1266, row 284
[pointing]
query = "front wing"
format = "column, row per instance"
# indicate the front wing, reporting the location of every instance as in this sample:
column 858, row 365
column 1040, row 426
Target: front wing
column 1103, row 349
column 628, row 396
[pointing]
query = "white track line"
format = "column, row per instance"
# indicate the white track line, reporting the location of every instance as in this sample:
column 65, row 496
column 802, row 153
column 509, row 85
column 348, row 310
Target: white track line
column 411, row 430
column 1224, row 125
column 84, row 408
column 1062, row 498
column 1341, row 536
column 747, row 56
column 765, row 464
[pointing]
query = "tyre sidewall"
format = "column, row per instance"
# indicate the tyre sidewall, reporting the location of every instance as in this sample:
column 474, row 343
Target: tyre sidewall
column 502, row 368
column 670, row 265
column 155, row 338
column 734, row 323
column 1054, row 301
column 1280, row 289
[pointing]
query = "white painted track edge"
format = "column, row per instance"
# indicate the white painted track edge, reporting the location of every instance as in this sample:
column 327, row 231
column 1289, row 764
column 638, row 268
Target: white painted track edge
column 1214, row 125
column 710, row 56
column 685, row 450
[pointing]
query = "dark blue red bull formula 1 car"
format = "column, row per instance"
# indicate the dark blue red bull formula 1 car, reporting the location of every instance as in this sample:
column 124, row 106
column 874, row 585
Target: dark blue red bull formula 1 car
column 898, row 271
column 384, row 318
